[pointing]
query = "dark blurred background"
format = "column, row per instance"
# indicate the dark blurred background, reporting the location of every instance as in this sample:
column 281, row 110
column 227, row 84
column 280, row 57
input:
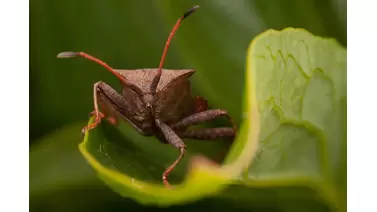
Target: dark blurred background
column 131, row 34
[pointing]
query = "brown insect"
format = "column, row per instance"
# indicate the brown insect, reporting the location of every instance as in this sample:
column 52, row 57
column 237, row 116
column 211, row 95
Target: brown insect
column 156, row 102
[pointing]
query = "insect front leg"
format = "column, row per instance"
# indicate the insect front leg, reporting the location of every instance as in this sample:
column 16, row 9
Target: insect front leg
column 96, row 113
column 207, row 115
column 172, row 138
column 113, row 105
column 112, row 119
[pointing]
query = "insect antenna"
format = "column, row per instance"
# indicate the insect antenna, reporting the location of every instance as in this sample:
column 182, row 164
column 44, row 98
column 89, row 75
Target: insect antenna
column 100, row 62
column 156, row 79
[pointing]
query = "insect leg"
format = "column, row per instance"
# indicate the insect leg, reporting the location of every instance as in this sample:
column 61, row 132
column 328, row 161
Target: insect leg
column 96, row 111
column 113, row 104
column 111, row 118
column 209, row 133
column 207, row 115
column 177, row 142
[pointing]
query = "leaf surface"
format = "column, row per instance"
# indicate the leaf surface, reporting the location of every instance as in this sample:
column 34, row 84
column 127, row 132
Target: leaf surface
column 294, row 107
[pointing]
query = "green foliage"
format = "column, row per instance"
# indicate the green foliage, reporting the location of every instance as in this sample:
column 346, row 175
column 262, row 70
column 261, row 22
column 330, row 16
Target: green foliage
column 297, row 175
column 55, row 161
column 301, row 92
column 131, row 34
column 298, row 82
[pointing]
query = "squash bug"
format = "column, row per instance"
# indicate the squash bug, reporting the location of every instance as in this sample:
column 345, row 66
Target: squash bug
column 156, row 102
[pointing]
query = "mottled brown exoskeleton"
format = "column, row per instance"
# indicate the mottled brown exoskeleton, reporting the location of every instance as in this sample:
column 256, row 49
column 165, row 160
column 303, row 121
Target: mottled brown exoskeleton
column 156, row 102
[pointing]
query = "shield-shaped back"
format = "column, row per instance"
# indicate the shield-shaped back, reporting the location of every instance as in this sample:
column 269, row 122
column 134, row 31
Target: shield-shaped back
column 173, row 99
column 142, row 78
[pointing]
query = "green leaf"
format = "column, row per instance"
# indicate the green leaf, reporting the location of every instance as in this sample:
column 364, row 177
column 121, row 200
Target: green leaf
column 61, row 179
column 301, row 95
column 56, row 163
column 294, row 105
column 134, row 169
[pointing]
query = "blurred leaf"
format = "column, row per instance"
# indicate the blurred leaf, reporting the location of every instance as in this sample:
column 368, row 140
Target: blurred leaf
column 56, row 163
column 114, row 31
column 131, row 34
column 297, row 82
column 61, row 179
